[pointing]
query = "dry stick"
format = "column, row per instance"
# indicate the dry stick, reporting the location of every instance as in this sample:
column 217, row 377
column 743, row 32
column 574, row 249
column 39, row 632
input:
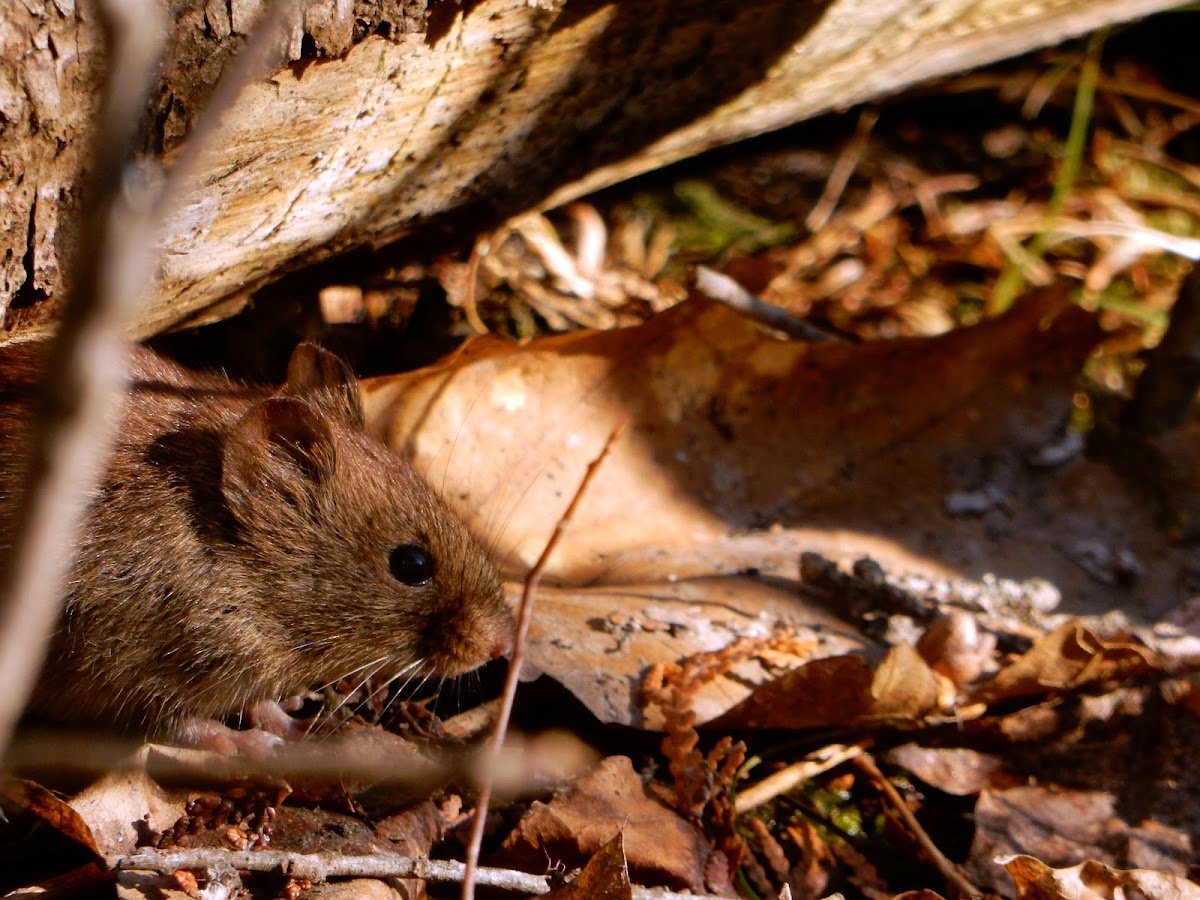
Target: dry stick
column 948, row 869
column 843, row 168
column 83, row 384
column 524, row 617
column 81, row 394
column 720, row 287
column 787, row 778
column 322, row 866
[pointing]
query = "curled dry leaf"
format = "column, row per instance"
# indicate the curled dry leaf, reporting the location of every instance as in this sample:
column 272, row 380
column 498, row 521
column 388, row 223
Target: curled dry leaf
column 605, row 877
column 1067, row 658
column 125, row 805
column 841, row 691
column 20, row 796
column 1093, row 880
column 662, row 848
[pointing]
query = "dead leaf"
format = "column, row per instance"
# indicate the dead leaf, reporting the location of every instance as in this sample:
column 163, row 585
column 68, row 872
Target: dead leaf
column 605, row 877
column 600, row 642
column 1093, row 880
column 904, row 688
column 1057, row 825
column 731, row 430
column 662, row 848
column 824, row 692
column 955, row 770
column 18, row 795
column 840, row 691
column 741, row 452
column 44, row 842
column 1065, row 659
column 127, row 806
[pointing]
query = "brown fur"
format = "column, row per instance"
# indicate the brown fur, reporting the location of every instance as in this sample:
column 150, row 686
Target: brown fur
column 238, row 550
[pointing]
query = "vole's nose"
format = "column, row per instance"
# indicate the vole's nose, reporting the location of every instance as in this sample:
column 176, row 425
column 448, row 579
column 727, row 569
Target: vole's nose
column 501, row 647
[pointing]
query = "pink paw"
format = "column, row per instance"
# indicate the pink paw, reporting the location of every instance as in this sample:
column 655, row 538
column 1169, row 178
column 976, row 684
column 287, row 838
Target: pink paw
column 209, row 734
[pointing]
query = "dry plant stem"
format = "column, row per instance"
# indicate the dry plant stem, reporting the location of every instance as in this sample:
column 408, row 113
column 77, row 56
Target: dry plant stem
column 843, row 168
column 470, row 304
column 520, row 640
column 81, row 394
column 1013, row 276
column 723, row 289
column 321, row 866
column 949, row 870
column 785, row 779
column 112, row 267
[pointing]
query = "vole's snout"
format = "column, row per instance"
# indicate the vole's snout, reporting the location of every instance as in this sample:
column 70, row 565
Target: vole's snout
column 502, row 646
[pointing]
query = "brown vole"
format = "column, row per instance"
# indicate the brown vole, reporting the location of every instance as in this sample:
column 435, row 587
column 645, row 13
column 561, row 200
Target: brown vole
column 244, row 545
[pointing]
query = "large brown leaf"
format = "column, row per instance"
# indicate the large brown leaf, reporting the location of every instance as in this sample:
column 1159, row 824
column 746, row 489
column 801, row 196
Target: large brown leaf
column 742, row 450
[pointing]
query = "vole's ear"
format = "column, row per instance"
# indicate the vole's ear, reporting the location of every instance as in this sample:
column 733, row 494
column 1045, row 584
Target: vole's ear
column 324, row 378
column 282, row 444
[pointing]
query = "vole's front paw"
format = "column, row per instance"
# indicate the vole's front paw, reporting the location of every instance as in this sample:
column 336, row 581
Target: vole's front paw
column 209, row 734
column 272, row 717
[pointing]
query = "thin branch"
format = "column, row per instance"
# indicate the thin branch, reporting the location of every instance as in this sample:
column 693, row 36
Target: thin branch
column 1013, row 277
column 787, row 778
column 843, row 168
column 86, row 377
column 524, row 617
column 83, row 384
column 323, row 866
column 954, row 877
column 723, row 289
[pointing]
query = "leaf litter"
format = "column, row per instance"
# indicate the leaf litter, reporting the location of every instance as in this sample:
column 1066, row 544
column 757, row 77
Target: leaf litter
column 890, row 547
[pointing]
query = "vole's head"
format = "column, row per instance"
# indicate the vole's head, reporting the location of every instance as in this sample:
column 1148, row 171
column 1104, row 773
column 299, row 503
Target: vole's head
column 361, row 568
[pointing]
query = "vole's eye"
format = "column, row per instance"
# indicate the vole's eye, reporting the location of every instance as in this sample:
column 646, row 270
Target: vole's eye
column 411, row 564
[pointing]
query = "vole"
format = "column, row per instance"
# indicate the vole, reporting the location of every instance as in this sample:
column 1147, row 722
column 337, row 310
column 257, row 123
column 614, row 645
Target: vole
column 244, row 545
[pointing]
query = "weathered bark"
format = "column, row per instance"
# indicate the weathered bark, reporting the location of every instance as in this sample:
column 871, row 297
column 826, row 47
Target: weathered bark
column 453, row 119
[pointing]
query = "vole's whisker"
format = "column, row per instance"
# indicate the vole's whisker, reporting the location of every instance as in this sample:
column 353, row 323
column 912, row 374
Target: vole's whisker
column 406, row 671
column 353, row 672
column 374, row 667
column 411, row 671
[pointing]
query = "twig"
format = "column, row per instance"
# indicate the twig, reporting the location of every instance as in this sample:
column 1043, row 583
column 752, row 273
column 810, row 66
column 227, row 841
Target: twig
column 524, row 617
column 470, row 306
column 322, row 866
column 949, row 870
column 843, row 168
column 1013, row 276
column 785, row 779
column 724, row 289
column 85, row 377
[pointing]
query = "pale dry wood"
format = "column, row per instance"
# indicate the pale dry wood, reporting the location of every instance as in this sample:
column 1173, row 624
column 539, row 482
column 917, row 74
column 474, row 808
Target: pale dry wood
column 322, row 866
column 497, row 108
